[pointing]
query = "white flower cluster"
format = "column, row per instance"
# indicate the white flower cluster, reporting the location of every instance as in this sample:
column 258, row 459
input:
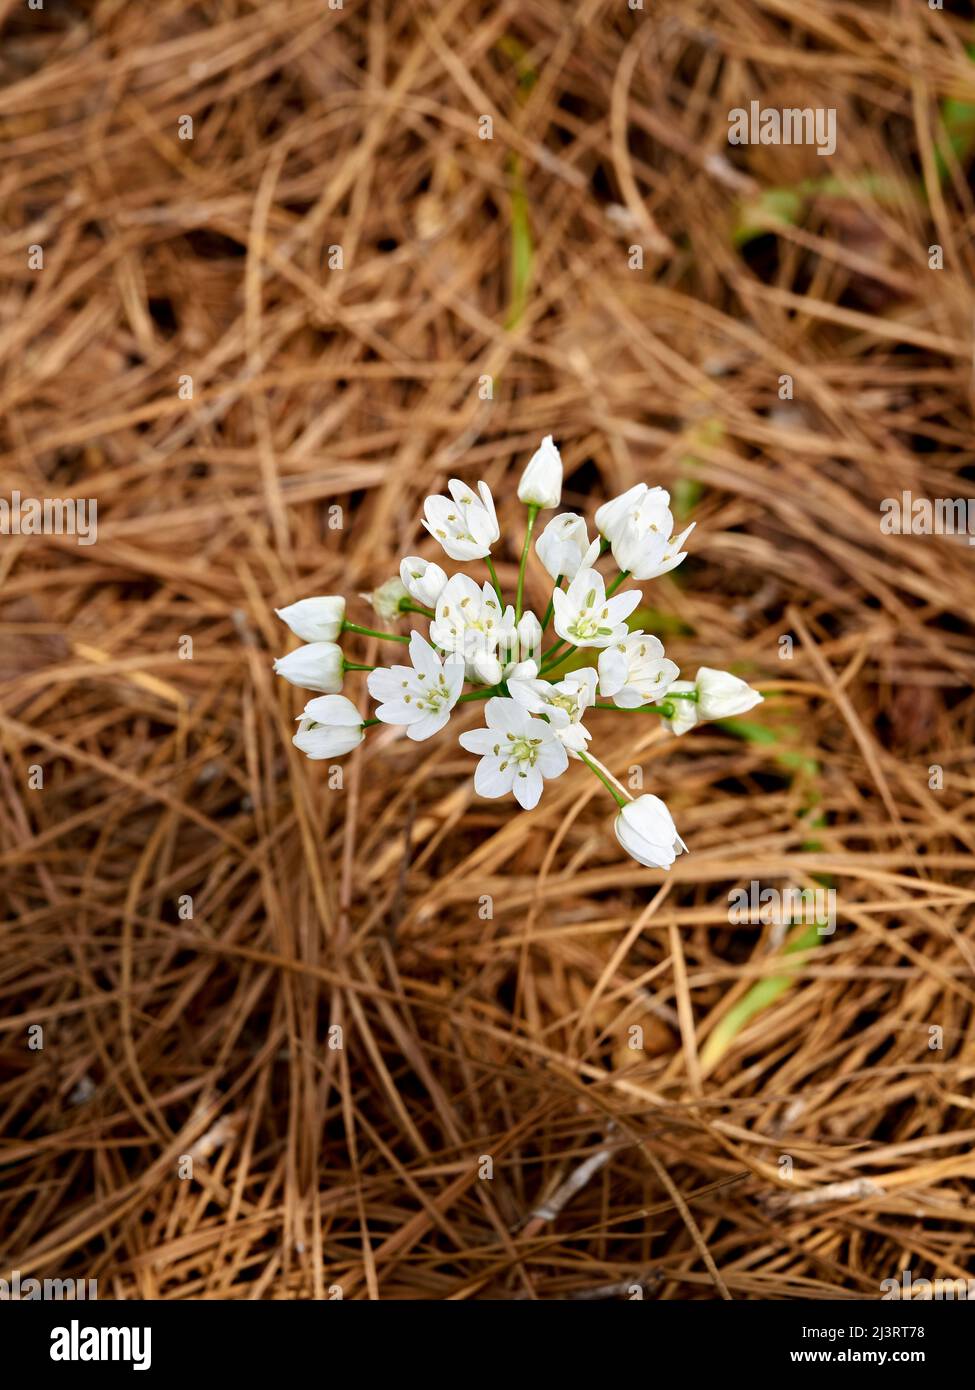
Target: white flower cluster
column 533, row 725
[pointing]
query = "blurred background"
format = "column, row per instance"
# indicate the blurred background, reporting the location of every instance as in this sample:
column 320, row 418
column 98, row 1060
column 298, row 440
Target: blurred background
column 299, row 266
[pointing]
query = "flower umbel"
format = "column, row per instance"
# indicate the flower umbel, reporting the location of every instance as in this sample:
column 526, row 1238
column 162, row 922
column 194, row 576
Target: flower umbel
column 534, row 707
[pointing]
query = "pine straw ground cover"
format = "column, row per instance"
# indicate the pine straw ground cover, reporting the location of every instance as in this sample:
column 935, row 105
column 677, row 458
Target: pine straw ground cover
column 791, row 1127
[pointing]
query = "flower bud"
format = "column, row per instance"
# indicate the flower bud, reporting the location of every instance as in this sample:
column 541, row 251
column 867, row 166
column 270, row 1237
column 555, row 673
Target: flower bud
column 529, row 632
column 541, row 482
column 721, row 695
column 329, row 727
column 315, row 619
column 316, row 666
column 646, row 831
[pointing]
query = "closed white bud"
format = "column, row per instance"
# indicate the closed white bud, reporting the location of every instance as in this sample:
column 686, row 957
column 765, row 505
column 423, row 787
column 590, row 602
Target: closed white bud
column 529, row 631
column 721, row 695
column 329, row 727
column 646, row 831
column 316, row 666
column 541, row 482
column 315, row 619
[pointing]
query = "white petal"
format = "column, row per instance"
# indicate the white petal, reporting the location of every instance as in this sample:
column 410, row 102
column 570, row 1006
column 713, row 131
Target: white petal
column 613, row 670
column 429, row 725
column 454, row 674
column 527, row 788
column 507, row 716
column 333, row 709
column 562, row 614
column 531, row 694
column 487, row 501
column 398, row 712
column 487, row 667
column 584, row 682
column 481, row 741
column 386, row 682
column 622, row 605
column 552, row 758
column 458, row 587
column 490, row 779
column 423, row 656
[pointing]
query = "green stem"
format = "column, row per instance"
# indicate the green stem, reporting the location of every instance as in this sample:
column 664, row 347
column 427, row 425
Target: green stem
column 484, row 694
column 562, row 656
column 684, row 695
column 533, row 511
column 620, row 800
column 406, row 605
column 666, row 709
column 371, row 632
column 366, row 722
column 355, row 666
column 494, row 579
column 623, row 574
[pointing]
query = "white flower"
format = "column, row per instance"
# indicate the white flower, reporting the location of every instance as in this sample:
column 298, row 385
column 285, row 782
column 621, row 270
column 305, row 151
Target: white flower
column 420, row 696
column 329, row 727
column 469, row 626
column 563, row 547
column 386, row 599
column 642, row 541
column 634, row 671
column 465, row 525
column 517, row 752
column 541, row 482
column 316, row 666
column 612, row 514
column 564, row 703
column 721, row 695
column 685, row 711
column 584, row 615
column 645, row 829
column 315, row 619
column 424, row 580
